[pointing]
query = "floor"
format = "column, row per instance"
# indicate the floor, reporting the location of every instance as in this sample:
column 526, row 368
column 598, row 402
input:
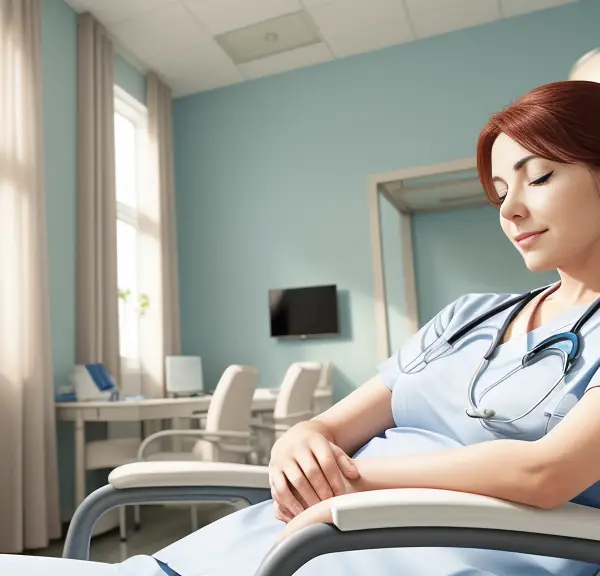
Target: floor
column 161, row 526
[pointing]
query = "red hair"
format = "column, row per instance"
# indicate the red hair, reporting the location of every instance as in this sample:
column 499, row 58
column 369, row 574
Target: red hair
column 558, row 121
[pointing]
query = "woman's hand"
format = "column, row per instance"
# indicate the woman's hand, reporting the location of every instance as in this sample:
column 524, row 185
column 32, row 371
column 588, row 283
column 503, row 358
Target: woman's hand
column 318, row 514
column 305, row 469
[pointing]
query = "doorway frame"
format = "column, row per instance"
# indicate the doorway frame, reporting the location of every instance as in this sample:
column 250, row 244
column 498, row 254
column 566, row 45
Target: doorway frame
column 375, row 189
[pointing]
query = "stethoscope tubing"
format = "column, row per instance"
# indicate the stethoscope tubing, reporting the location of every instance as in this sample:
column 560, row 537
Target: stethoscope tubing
column 568, row 359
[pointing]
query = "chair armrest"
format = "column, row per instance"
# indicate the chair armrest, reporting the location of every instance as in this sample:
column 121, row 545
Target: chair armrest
column 415, row 507
column 159, row 482
column 440, row 518
column 214, row 436
column 154, row 474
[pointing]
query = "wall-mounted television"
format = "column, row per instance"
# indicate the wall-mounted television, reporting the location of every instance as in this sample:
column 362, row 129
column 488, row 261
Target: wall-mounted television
column 304, row 312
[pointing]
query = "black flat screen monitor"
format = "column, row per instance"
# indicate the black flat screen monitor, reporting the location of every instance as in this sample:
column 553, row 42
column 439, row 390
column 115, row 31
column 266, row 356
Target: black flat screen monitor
column 306, row 312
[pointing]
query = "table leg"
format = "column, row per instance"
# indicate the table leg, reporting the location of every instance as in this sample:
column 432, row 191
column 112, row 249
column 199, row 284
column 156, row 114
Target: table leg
column 79, row 460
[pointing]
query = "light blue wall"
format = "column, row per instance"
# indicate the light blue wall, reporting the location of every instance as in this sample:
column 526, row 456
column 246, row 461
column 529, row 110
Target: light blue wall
column 129, row 78
column 59, row 62
column 466, row 251
column 271, row 179
column 59, row 43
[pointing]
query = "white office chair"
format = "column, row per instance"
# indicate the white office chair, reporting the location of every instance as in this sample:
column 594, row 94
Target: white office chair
column 326, row 380
column 294, row 404
column 226, row 437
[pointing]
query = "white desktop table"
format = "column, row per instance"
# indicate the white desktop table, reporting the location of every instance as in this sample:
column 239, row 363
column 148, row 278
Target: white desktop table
column 152, row 409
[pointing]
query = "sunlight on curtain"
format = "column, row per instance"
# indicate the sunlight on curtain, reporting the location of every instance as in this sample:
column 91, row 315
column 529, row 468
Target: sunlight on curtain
column 28, row 481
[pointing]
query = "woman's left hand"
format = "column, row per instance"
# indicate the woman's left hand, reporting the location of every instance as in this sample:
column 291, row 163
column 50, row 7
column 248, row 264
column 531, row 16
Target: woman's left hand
column 316, row 514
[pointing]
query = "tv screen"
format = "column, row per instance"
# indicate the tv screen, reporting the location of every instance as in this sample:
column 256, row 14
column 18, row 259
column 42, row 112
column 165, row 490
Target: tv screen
column 304, row 312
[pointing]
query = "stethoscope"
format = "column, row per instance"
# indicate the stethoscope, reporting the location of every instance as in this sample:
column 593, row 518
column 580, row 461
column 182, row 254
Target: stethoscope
column 569, row 358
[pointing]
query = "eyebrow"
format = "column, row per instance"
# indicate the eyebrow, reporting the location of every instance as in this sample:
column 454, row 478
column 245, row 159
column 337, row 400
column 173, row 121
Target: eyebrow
column 517, row 166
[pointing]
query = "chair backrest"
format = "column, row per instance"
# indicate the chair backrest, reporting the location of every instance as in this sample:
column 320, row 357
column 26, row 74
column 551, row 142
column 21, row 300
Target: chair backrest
column 326, row 375
column 230, row 409
column 295, row 399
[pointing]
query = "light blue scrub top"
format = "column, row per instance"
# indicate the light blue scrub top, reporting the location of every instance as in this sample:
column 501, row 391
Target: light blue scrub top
column 429, row 411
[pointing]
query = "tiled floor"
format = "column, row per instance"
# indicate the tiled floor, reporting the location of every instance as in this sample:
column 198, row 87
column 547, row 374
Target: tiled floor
column 161, row 526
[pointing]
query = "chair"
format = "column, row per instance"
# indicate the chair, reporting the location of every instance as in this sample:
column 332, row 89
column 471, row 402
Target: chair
column 366, row 520
column 294, row 404
column 226, row 436
column 326, row 380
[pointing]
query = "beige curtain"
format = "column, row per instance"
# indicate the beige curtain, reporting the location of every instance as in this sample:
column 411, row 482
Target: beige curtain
column 29, row 502
column 97, row 299
column 159, row 273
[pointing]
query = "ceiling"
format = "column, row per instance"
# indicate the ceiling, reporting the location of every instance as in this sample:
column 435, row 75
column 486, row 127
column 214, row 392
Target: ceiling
column 199, row 45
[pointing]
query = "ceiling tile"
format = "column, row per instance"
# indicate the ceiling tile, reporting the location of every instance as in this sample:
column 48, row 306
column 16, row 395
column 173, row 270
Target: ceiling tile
column 111, row 11
column 167, row 31
column 430, row 17
column 518, row 7
column 189, row 59
column 207, row 80
column 219, row 16
column 299, row 58
column 354, row 26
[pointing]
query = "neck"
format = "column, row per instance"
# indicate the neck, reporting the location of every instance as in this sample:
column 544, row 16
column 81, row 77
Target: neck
column 577, row 289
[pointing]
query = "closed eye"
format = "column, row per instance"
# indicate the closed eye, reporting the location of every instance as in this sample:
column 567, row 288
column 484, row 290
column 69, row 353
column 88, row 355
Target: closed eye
column 542, row 179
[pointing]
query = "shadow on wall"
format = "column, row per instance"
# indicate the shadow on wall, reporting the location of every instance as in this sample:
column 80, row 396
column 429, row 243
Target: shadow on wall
column 345, row 318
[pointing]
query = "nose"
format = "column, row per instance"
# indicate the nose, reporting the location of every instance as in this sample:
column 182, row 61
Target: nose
column 513, row 205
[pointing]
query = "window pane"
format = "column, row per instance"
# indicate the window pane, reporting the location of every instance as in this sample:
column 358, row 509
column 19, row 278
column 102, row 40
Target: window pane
column 125, row 160
column 128, row 289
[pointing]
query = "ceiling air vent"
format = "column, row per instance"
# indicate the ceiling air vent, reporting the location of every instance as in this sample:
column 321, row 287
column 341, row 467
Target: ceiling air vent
column 268, row 38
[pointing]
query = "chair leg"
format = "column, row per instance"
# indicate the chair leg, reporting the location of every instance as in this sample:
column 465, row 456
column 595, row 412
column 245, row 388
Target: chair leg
column 123, row 523
column 137, row 519
column 194, row 517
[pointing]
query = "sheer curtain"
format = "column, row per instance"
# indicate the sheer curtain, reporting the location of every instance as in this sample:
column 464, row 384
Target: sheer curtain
column 158, row 267
column 29, row 504
column 97, row 296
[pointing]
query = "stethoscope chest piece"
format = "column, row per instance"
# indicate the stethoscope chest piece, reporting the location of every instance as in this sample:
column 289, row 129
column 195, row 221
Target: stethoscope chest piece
column 547, row 346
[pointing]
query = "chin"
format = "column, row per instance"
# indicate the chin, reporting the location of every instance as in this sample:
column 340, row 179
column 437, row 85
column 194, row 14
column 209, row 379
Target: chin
column 539, row 263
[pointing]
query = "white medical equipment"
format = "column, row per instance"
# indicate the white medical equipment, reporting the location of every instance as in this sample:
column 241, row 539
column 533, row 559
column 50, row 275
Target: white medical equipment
column 92, row 382
column 366, row 520
column 184, row 375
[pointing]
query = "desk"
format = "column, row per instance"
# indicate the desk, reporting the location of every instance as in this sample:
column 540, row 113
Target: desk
column 152, row 409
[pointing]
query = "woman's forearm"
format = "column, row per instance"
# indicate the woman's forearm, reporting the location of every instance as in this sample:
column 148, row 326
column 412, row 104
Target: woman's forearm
column 507, row 469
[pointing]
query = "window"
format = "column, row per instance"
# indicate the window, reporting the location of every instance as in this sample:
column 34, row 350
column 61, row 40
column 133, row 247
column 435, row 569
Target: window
column 130, row 142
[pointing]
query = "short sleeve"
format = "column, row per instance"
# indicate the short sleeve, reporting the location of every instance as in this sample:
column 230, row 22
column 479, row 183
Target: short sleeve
column 412, row 352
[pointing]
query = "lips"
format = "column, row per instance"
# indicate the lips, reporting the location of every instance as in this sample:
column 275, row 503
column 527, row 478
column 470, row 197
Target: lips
column 528, row 236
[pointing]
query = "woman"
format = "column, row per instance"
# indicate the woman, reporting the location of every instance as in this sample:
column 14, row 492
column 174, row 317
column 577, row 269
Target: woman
column 539, row 162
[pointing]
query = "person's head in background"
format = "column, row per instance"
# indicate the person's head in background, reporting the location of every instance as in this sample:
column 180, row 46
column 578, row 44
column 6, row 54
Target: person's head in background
column 539, row 163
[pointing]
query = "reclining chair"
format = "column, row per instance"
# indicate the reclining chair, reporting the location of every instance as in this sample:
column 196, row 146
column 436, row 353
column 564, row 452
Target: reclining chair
column 367, row 520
